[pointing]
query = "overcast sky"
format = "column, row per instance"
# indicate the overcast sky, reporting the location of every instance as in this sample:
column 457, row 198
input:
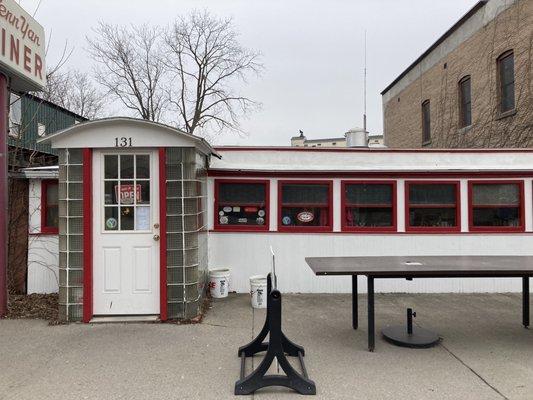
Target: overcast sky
column 312, row 52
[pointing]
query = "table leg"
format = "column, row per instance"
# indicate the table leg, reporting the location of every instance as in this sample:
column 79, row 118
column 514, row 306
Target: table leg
column 355, row 314
column 525, row 301
column 371, row 336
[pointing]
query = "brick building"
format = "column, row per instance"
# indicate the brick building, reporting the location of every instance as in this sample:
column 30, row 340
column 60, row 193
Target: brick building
column 472, row 87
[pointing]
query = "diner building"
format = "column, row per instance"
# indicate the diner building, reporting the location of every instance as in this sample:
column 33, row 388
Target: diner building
column 145, row 210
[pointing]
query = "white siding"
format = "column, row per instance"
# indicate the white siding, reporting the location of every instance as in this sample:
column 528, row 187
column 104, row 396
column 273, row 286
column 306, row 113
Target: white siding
column 43, row 261
column 247, row 254
column 43, row 250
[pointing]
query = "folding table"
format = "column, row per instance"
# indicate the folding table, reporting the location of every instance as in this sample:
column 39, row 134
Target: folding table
column 379, row 267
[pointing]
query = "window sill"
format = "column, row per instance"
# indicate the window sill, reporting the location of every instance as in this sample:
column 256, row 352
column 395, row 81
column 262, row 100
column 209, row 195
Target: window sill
column 464, row 129
column 427, row 143
column 506, row 114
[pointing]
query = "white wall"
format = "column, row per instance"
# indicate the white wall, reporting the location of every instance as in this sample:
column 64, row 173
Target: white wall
column 43, row 250
column 247, row 253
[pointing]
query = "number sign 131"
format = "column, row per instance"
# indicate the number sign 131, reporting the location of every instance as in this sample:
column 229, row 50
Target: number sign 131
column 123, row 141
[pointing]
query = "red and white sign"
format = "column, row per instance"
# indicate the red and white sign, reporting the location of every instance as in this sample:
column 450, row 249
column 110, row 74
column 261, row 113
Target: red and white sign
column 22, row 48
column 305, row 216
column 127, row 193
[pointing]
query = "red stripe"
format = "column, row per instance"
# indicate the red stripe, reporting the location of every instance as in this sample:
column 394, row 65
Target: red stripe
column 87, row 236
column 369, row 174
column 163, row 234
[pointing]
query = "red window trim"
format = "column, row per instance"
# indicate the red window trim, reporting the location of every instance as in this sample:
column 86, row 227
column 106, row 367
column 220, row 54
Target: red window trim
column 242, row 228
column 328, row 228
column 45, row 183
column 521, row 207
column 435, row 229
column 384, row 229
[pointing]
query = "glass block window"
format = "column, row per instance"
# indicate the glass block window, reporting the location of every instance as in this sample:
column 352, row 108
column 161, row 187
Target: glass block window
column 241, row 204
column 305, row 206
column 432, row 206
column 496, row 205
column 369, row 206
column 186, row 244
column 70, row 217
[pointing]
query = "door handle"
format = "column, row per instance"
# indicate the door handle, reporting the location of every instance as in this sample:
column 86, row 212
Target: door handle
column 156, row 238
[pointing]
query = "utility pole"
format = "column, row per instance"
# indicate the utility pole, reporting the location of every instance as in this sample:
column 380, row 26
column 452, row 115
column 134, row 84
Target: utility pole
column 364, row 91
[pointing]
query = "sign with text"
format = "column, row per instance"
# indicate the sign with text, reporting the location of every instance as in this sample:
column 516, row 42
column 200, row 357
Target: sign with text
column 128, row 193
column 22, row 48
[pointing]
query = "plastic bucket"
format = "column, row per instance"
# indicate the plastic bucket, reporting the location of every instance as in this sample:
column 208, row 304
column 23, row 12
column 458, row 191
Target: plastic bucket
column 219, row 282
column 258, row 291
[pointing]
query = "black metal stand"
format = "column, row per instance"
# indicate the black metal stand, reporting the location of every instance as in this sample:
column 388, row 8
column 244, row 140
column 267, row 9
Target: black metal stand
column 525, row 301
column 413, row 337
column 278, row 346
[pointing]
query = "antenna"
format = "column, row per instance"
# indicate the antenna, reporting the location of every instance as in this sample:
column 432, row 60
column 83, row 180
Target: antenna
column 364, row 92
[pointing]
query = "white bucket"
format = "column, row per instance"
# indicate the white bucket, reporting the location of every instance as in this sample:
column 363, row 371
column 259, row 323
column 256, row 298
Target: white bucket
column 258, row 290
column 219, row 282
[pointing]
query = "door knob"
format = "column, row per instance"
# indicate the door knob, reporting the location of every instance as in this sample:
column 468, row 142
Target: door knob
column 156, row 237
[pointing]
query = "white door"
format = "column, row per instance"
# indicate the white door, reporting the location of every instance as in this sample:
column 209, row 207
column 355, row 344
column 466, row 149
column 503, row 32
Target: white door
column 125, row 232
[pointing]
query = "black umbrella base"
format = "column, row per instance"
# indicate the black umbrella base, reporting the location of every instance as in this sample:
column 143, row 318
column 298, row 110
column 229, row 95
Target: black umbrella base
column 420, row 338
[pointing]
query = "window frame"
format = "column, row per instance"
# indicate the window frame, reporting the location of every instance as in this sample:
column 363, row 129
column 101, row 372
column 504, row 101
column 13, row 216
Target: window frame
column 345, row 204
column 45, row 184
column 302, row 229
column 433, row 229
column 489, row 229
column 462, row 123
column 241, row 228
column 499, row 60
column 426, row 129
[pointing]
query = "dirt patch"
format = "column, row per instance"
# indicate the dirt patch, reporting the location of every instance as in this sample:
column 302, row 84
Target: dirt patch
column 206, row 305
column 33, row 306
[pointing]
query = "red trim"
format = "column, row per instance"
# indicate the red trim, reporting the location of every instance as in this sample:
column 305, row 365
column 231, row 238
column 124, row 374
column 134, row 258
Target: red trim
column 243, row 228
column 45, row 183
column 387, row 233
column 162, row 234
column 393, row 206
column 496, row 229
column 434, row 229
column 87, row 235
column 370, row 174
column 306, row 229
column 368, row 149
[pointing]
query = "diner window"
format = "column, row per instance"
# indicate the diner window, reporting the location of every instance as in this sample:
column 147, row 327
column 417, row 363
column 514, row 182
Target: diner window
column 369, row 206
column 241, row 204
column 432, row 206
column 305, row 205
column 465, row 102
column 506, row 81
column 426, row 122
column 496, row 205
column 49, row 206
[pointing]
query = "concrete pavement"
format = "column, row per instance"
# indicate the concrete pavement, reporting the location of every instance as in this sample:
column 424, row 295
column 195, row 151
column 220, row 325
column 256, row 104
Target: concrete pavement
column 486, row 353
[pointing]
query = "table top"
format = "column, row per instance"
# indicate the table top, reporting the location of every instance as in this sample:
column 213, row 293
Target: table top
column 423, row 266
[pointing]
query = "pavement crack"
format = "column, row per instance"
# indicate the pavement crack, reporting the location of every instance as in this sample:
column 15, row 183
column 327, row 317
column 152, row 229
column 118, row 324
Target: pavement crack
column 219, row 325
column 474, row 372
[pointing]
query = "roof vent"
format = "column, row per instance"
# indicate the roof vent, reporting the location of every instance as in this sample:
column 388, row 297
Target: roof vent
column 356, row 137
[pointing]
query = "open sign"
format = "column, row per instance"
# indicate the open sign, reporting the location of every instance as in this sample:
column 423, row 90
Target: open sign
column 128, row 193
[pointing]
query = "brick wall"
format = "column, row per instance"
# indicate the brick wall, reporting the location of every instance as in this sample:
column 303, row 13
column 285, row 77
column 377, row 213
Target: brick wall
column 477, row 57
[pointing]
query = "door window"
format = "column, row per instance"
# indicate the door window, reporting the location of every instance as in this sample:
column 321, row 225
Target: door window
column 127, row 192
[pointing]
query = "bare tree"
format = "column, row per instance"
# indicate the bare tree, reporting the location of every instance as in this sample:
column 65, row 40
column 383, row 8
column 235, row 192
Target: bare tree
column 75, row 91
column 130, row 67
column 206, row 63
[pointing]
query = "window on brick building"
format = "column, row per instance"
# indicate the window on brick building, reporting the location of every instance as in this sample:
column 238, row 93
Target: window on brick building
column 506, row 81
column 426, row 122
column 465, row 102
